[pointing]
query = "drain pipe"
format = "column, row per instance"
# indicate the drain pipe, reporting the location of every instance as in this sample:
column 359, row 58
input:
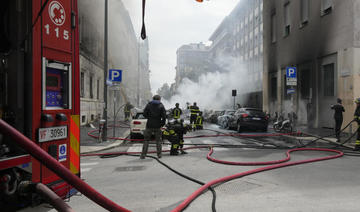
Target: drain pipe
column 52, row 198
column 58, row 168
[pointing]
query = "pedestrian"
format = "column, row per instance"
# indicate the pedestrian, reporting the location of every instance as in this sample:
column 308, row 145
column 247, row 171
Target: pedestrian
column 357, row 119
column 127, row 108
column 338, row 116
column 194, row 111
column 176, row 112
column 155, row 114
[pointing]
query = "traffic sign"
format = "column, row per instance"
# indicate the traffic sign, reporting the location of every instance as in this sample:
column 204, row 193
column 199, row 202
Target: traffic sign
column 290, row 72
column 115, row 75
column 290, row 91
column 291, row 79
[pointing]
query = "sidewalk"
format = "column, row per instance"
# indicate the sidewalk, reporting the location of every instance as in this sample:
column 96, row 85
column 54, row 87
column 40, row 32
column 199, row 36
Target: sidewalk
column 89, row 144
column 315, row 133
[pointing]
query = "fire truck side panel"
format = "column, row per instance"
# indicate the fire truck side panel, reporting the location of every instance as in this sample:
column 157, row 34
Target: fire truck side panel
column 55, row 99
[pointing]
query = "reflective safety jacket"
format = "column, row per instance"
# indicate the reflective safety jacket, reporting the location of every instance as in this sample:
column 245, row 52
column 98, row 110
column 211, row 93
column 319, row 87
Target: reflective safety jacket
column 194, row 110
column 176, row 112
column 357, row 114
column 199, row 121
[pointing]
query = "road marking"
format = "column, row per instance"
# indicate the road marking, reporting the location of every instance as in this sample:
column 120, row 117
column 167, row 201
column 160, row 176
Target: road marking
column 89, row 164
column 82, row 170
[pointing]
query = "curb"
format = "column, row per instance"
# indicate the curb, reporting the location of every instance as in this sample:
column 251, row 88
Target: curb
column 94, row 149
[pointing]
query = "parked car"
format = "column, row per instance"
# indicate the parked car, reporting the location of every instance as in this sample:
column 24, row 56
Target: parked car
column 214, row 116
column 137, row 125
column 249, row 118
column 223, row 120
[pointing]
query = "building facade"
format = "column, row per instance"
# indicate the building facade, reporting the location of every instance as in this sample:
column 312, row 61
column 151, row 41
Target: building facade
column 125, row 52
column 321, row 39
column 240, row 36
column 192, row 61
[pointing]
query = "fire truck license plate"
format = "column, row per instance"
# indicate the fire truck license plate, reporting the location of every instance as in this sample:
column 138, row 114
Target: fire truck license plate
column 52, row 133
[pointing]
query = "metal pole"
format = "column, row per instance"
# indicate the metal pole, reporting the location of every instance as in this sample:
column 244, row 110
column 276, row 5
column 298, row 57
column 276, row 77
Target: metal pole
column 138, row 82
column 104, row 135
column 234, row 102
column 114, row 113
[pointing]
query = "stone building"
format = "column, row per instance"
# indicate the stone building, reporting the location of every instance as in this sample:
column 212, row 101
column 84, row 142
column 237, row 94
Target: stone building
column 192, row 60
column 123, row 53
column 321, row 39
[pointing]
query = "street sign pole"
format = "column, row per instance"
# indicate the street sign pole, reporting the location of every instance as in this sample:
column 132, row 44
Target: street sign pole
column 234, row 95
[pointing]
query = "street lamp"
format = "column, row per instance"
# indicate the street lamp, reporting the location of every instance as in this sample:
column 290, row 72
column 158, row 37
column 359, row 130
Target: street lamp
column 104, row 133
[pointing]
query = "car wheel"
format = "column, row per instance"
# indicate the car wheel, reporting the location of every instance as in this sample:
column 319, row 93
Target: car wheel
column 239, row 128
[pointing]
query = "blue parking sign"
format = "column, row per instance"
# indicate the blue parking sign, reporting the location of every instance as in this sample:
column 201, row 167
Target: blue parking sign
column 290, row 72
column 115, row 75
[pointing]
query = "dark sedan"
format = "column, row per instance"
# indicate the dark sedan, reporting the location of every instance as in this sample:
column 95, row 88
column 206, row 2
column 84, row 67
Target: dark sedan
column 249, row 118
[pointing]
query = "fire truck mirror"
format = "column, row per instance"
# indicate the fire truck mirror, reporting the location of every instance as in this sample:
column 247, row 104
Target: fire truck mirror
column 56, row 85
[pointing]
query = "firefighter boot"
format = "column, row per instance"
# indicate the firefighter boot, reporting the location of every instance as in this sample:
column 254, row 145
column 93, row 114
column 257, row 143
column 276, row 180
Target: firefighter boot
column 182, row 152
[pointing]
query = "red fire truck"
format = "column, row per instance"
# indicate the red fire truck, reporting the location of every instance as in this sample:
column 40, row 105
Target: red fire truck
column 39, row 94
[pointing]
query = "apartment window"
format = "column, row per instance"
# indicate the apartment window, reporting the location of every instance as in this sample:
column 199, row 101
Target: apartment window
column 273, row 85
column 91, row 87
column 83, row 119
column 273, row 28
column 82, row 84
column 329, row 79
column 326, row 6
column 304, row 11
column 98, row 89
column 287, row 19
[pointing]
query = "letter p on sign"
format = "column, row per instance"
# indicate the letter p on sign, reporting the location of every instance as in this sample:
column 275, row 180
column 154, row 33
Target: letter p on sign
column 115, row 75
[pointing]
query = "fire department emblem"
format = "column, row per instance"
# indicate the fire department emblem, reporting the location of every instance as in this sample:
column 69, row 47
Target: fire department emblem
column 57, row 13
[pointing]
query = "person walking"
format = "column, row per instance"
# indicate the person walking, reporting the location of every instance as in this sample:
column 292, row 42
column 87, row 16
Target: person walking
column 155, row 114
column 357, row 119
column 176, row 112
column 338, row 116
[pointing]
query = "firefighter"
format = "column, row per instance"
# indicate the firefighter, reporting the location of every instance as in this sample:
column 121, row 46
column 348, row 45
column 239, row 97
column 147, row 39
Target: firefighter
column 338, row 116
column 176, row 112
column 199, row 121
column 127, row 109
column 357, row 119
column 181, row 130
column 194, row 111
column 170, row 134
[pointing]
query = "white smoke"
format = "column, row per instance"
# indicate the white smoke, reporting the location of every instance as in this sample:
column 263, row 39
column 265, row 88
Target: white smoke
column 214, row 89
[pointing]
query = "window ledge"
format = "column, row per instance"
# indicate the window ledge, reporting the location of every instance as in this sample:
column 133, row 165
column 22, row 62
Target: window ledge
column 326, row 11
column 303, row 24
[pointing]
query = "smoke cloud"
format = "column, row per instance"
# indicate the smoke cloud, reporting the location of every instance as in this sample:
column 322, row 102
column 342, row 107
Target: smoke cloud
column 214, row 89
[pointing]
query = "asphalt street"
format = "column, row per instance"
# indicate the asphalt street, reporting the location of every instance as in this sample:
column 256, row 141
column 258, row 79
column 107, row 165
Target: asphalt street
column 146, row 185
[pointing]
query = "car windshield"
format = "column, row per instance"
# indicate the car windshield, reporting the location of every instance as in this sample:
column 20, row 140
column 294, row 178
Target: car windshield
column 140, row 116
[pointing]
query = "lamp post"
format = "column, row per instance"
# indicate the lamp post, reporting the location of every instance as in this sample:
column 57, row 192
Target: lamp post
column 104, row 133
